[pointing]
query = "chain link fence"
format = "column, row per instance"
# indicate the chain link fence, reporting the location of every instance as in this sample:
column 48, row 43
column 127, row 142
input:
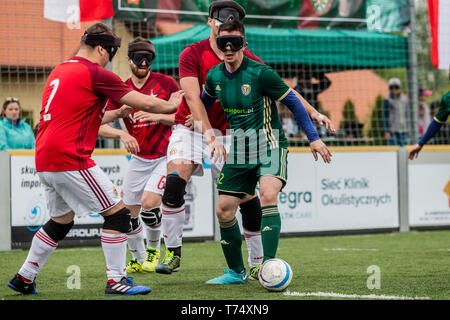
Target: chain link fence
column 378, row 88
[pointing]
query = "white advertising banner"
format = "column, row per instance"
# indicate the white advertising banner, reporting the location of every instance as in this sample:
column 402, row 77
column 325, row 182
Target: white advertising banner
column 429, row 194
column 29, row 210
column 357, row 190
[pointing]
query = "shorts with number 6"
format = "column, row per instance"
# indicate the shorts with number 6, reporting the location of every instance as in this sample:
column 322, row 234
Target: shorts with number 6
column 143, row 175
column 242, row 179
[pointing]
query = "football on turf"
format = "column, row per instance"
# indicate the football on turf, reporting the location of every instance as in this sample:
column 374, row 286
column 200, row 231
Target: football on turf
column 275, row 275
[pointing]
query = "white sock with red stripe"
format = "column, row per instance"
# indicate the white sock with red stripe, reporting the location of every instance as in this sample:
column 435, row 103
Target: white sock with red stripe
column 136, row 243
column 172, row 226
column 115, row 251
column 42, row 246
column 254, row 247
column 153, row 236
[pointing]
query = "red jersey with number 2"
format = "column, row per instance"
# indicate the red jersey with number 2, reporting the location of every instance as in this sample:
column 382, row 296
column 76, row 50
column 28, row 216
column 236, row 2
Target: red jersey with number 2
column 152, row 137
column 195, row 61
column 73, row 105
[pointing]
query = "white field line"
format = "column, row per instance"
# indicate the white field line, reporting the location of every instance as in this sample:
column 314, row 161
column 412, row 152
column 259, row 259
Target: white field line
column 350, row 296
column 348, row 249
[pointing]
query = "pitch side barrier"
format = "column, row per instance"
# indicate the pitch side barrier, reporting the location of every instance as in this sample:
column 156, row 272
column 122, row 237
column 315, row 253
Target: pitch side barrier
column 364, row 189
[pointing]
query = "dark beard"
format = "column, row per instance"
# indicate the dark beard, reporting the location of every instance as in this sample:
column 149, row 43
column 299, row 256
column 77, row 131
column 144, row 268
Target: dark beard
column 139, row 72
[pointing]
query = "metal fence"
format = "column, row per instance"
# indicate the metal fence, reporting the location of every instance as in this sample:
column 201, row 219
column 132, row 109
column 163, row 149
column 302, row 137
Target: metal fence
column 346, row 74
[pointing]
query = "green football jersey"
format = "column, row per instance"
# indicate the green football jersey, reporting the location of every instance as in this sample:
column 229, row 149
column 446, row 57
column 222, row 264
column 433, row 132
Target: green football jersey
column 444, row 109
column 248, row 98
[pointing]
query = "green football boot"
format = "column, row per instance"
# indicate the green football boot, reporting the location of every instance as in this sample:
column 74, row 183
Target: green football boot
column 152, row 260
column 170, row 264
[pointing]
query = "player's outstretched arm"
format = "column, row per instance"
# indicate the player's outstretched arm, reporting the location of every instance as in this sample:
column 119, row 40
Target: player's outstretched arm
column 111, row 115
column 130, row 143
column 167, row 119
column 152, row 104
column 317, row 146
column 432, row 129
column 192, row 90
column 316, row 115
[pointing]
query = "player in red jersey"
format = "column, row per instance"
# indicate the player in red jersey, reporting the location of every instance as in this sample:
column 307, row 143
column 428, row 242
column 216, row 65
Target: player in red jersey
column 73, row 107
column 187, row 149
column 147, row 141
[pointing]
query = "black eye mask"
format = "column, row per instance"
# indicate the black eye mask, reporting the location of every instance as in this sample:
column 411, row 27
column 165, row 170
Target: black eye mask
column 235, row 42
column 108, row 42
column 139, row 57
column 225, row 14
column 140, row 51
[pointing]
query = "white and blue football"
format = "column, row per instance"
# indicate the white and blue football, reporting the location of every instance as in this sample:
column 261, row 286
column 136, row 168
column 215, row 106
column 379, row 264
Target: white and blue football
column 275, row 275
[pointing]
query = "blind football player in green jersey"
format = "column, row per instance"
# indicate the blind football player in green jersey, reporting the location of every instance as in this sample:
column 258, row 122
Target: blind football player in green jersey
column 248, row 91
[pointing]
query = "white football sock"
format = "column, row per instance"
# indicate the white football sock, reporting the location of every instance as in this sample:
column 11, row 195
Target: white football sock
column 254, row 247
column 136, row 243
column 172, row 226
column 115, row 251
column 153, row 236
column 42, row 246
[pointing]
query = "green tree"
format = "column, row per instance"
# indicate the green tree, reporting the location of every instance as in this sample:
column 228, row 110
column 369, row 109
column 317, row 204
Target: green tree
column 376, row 132
column 350, row 123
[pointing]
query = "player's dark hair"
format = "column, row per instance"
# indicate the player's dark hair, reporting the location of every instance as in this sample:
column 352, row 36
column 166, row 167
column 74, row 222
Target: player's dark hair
column 232, row 25
column 139, row 39
column 141, row 44
column 97, row 29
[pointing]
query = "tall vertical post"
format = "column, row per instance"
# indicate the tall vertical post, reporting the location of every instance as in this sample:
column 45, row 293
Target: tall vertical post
column 412, row 76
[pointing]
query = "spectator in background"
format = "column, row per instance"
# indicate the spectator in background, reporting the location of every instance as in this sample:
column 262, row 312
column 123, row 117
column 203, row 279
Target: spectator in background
column 309, row 90
column 289, row 124
column 18, row 133
column 423, row 115
column 395, row 114
column 2, row 138
column 443, row 136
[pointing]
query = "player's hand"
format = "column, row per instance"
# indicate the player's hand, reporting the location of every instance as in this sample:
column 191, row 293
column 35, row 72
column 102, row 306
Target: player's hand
column 217, row 150
column 319, row 147
column 124, row 111
column 323, row 119
column 189, row 122
column 175, row 99
column 413, row 153
column 130, row 143
column 146, row 116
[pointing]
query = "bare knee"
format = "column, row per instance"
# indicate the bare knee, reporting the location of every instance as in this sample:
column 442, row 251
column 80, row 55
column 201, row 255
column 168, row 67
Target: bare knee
column 65, row 219
column 268, row 196
column 224, row 213
column 150, row 200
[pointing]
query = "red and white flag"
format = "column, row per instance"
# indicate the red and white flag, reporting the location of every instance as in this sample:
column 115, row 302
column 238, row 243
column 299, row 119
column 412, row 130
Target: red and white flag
column 439, row 17
column 73, row 11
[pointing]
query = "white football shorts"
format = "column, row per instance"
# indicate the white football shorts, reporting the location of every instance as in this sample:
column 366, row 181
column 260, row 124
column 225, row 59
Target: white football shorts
column 188, row 145
column 143, row 175
column 84, row 192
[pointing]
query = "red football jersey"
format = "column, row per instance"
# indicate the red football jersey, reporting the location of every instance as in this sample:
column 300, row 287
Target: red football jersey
column 152, row 137
column 73, row 104
column 195, row 61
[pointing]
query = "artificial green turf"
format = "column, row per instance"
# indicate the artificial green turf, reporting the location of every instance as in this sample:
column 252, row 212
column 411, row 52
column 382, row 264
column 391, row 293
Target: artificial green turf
column 413, row 264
